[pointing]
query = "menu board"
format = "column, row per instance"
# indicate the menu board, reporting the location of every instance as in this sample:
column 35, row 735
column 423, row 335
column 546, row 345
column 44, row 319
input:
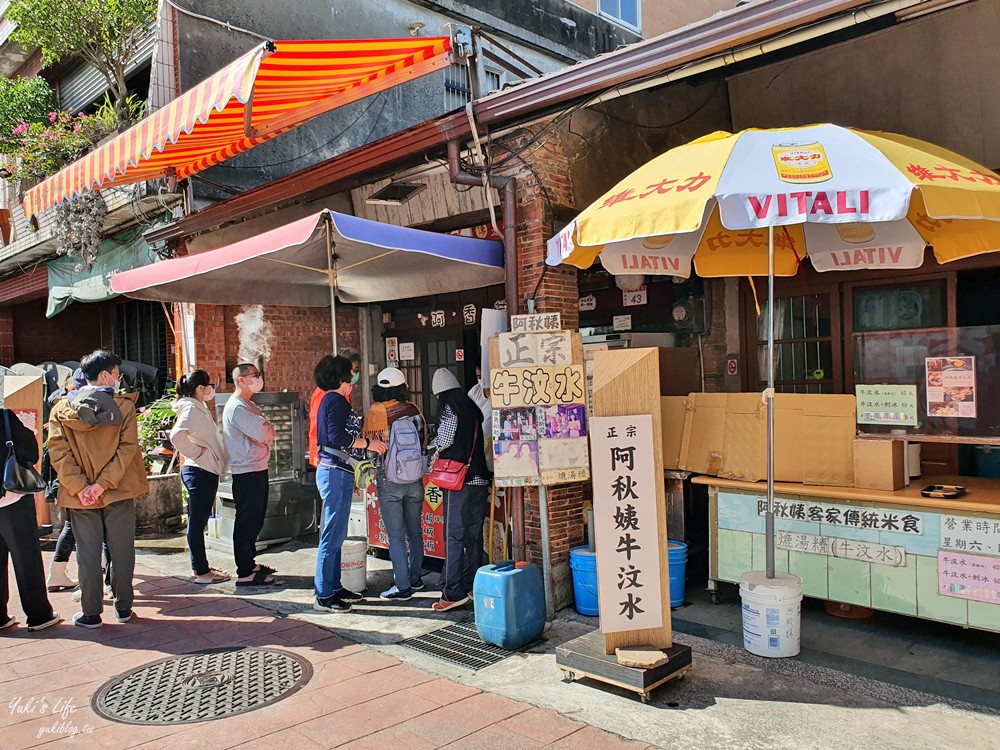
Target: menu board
column 951, row 387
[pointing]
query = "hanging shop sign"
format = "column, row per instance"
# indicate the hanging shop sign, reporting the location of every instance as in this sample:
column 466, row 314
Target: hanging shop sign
column 887, row 404
column 625, row 523
column 539, row 409
column 535, row 323
column 951, row 387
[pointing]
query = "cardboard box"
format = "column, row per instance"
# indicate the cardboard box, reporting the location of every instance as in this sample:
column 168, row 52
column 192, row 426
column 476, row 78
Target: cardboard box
column 680, row 371
column 673, row 413
column 879, row 464
column 725, row 435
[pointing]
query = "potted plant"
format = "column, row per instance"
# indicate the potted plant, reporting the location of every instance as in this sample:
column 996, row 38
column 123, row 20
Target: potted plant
column 159, row 511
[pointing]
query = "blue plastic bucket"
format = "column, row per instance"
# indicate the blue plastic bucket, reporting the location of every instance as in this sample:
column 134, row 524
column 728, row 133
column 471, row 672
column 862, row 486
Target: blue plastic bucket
column 583, row 564
column 677, row 556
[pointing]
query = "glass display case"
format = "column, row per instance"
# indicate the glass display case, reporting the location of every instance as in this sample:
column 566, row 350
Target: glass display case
column 954, row 371
column 292, row 502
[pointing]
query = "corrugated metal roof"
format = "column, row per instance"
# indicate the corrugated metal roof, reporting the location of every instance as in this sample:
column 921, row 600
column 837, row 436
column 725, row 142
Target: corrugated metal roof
column 84, row 85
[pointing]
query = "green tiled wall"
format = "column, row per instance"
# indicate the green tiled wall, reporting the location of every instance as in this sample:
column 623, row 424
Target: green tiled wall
column 909, row 590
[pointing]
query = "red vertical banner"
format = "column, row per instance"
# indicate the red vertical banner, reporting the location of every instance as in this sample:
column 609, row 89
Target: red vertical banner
column 431, row 521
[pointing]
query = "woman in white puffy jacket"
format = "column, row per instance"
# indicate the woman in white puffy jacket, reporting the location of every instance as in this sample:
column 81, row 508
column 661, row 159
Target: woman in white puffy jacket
column 195, row 436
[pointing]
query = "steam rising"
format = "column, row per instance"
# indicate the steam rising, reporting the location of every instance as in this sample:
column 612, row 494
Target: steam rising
column 254, row 334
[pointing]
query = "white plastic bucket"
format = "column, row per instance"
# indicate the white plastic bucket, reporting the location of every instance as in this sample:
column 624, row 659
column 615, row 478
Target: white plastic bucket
column 354, row 565
column 772, row 611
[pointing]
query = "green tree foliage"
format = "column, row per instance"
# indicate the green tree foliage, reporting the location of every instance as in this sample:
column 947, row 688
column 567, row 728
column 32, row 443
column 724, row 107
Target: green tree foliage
column 105, row 33
column 27, row 100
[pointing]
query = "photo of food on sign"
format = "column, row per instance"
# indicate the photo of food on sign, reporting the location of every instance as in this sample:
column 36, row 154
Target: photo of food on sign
column 516, row 458
column 568, row 460
column 563, row 421
column 515, row 424
column 951, row 386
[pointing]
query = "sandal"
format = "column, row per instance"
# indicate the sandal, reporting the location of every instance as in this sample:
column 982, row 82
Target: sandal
column 266, row 569
column 260, row 578
column 217, row 576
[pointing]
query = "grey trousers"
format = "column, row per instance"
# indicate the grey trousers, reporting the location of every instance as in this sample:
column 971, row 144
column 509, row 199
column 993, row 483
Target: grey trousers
column 113, row 525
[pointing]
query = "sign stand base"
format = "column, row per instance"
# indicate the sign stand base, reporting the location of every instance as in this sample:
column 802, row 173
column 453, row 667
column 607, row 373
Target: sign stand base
column 585, row 657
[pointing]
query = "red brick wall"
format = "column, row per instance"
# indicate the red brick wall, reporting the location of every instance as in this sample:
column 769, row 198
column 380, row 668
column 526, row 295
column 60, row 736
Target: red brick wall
column 68, row 336
column 6, row 335
column 25, row 286
column 554, row 289
column 301, row 336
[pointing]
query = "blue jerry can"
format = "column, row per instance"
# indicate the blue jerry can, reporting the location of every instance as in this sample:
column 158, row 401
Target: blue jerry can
column 510, row 604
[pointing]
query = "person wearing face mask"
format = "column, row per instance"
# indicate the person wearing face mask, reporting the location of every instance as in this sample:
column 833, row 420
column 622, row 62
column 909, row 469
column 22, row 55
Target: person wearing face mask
column 355, row 377
column 196, row 437
column 247, row 438
column 94, row 448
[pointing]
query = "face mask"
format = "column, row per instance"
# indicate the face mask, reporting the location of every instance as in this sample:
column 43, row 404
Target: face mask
column 355, row 378
column 256, row 385
column 117, row 385
column 209, row 392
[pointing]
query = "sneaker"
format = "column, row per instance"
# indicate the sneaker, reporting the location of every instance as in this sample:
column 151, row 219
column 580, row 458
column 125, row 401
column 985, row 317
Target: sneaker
column 395, row 593
column 331, row 604
column 109, row 595
column 417, row 585
column 8, row 623
column 55, row 620
column 444, row 605
column 123, row 615
column 349, row 596
column 77, row 594
column 91, row 622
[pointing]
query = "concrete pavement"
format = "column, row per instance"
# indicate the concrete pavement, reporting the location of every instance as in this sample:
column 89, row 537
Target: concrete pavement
column 384, row 695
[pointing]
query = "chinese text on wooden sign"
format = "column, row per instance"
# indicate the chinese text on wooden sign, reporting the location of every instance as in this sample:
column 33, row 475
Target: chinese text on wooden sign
column 625, row 522
column 539, row 413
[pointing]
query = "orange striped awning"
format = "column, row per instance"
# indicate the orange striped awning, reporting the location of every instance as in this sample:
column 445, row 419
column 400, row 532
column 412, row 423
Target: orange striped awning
column 269, row 90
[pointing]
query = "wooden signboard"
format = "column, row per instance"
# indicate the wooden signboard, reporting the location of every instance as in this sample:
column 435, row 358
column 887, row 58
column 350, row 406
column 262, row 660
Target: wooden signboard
column 23, row 395
column 627, row 384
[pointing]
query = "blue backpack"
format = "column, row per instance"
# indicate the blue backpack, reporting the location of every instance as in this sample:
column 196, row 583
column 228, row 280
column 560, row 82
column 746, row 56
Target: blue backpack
column 404, row 461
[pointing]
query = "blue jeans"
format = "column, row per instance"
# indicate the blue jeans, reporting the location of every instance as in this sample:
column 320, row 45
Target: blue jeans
column 402, row 505
column 201, row 487
column 335, row 488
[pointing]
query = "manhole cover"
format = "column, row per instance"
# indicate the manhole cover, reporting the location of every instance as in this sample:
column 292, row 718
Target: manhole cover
column 201, row 686
column 459, row 644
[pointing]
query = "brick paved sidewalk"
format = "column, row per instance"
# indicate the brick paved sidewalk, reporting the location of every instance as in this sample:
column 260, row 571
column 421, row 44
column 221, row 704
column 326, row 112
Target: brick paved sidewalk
column 358, row 697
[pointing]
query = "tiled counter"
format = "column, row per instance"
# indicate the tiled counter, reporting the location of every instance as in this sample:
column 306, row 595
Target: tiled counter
column 892, row 551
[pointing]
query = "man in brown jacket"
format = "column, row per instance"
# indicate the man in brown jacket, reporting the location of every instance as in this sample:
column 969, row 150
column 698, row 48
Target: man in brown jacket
column 94, row 448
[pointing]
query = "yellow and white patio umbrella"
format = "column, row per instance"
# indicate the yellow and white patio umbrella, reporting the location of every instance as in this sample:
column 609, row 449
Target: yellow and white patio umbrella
column 761, row 201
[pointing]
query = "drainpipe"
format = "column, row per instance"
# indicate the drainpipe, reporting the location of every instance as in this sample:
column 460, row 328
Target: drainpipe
column 506, row 186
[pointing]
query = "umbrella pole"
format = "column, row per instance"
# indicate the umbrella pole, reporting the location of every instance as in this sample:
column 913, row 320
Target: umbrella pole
column 769, row 397
column 332, row 279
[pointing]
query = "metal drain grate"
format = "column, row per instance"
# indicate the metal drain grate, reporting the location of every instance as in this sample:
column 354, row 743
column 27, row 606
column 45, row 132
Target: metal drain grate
column 201, row 686
column 459, row 644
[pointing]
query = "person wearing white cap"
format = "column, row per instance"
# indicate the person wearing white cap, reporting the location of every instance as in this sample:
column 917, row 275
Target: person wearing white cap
column 460, row 438
column 399, row 478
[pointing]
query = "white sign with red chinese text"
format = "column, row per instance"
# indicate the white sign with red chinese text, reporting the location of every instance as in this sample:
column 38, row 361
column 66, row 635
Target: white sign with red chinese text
column 625, row 522
column 636, row 298
column 973, row 577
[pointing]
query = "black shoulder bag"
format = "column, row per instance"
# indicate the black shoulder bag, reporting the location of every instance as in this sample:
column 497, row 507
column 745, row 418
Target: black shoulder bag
column 21, row 480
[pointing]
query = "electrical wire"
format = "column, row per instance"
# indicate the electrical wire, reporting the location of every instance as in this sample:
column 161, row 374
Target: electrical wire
column 216, row 21
column 355, row 121
column 663, row 126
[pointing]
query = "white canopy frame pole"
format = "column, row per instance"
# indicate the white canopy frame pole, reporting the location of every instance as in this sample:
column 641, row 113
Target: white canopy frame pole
column 332, row 276
column 769, row 397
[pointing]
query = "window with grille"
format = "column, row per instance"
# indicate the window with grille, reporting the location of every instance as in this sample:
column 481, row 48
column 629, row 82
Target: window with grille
column 625, row 11
column 456, row 85
column 141, row 333
column 805, row 358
